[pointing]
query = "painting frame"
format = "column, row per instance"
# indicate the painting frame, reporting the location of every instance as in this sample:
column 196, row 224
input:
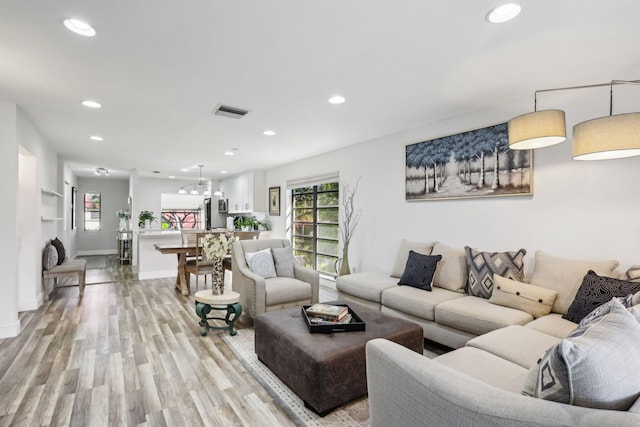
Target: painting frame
column 465, row 165
column 274, row 201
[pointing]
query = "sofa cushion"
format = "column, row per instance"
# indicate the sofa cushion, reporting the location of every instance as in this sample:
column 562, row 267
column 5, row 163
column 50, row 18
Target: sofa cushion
column 483, row 265
column 403, row 255
column 367, row 285
column 452, row 269
column 416, row 302
column 60, row 248
column 636, row 299
column 477, row 315
column 596, row 290
column 70, row 266
column 49, row 257
column 419, row 270
column 284, row 261
column 520, row 345
column 565, row 276
column 486, row 367
column 553, row 324
column 535, row 300
column 261, row 263
column 583, row 370
column 279, row 290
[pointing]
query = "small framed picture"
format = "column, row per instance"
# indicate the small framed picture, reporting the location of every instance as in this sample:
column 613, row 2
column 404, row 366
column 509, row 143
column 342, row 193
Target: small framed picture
column 274, row 201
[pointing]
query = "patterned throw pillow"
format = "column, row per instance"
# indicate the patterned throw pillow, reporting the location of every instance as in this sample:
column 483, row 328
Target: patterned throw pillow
column 483, row 265
column 583, row 370
column 633, row 274
column 605, row 309
column 60, row 248
column 595, row 291
column 49, row 257
column 261, row 263
column 419, row 270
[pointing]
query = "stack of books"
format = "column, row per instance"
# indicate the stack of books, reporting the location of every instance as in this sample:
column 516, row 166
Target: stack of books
column 326, row 314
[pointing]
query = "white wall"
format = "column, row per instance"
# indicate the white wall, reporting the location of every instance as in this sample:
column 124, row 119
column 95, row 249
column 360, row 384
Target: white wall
column 35, row 233
column 9, row 322
column 114, row 193
column 582, row 210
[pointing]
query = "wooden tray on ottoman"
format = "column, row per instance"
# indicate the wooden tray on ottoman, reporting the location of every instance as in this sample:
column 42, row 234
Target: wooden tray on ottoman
column 356, row 323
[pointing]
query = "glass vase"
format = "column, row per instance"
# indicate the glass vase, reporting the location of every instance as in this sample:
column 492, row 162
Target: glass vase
column 217, row 282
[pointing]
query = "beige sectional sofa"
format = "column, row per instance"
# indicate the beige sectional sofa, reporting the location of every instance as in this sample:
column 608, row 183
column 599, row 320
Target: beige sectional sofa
column 500, row 350
column 447, row 314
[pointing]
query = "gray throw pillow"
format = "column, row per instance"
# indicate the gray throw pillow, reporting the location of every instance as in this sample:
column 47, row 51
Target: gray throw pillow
column 283, row 258
column 419, row 270
column 261, row 263
column 49, row 257
column 596, row 290
column 403, row 255
column 595, row 366
column 483, row 265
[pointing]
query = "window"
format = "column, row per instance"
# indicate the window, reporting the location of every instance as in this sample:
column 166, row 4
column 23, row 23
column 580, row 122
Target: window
column 180, row 219
column 91, row 211
column 315, row 226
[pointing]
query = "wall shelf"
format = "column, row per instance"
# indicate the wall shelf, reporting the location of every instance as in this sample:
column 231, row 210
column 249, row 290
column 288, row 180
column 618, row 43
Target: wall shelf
column 42, row 218
column 50, row 192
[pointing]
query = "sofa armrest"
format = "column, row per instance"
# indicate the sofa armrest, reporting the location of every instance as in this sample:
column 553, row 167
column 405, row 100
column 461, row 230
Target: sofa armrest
column 406, row 388
column 310, row 276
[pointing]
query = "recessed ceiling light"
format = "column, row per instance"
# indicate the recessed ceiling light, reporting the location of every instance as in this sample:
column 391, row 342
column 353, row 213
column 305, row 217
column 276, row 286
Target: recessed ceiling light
column 96, row 138
column 337, row 99
column 229, row 153
column 269, row 132
column 503, row 13
column 79, row 27
column 223, row 171
column 91, row 104
column 172, row 177
column 184, row 170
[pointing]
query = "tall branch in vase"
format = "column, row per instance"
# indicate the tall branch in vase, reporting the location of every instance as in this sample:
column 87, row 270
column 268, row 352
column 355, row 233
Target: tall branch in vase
column 350, row 218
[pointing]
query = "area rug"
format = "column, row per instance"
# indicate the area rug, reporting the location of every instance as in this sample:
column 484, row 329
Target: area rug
column 354, row 413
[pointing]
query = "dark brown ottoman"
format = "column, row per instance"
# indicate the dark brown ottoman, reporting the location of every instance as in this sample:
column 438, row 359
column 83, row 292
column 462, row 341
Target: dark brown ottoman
column 326, row 370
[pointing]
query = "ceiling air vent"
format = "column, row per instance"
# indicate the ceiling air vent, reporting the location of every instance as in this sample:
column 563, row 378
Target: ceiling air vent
column 233, row 112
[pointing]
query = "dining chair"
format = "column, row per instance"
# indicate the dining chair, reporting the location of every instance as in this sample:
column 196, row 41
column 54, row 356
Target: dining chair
column 200, row 265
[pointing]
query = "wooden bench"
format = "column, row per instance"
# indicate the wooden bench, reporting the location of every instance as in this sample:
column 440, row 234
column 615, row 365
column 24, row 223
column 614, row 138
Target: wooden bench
column 71, row 267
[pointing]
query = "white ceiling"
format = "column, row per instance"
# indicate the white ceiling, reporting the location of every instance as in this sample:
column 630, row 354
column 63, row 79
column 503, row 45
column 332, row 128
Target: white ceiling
column 160, row 67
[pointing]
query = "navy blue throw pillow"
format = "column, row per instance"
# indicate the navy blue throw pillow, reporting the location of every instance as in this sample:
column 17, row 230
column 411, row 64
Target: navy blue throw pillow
column 419, row 270
column 60, row 248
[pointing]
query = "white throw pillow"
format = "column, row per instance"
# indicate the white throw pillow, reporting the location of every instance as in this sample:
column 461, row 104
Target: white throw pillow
column 261, row 263
column 535, row 300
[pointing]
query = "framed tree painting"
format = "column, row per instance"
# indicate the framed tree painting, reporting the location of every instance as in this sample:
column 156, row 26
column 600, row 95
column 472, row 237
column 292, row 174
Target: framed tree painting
column 478, row 163
column 274, row 201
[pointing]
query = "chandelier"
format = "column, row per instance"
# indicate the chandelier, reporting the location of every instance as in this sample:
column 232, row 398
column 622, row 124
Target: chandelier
column 196, row 188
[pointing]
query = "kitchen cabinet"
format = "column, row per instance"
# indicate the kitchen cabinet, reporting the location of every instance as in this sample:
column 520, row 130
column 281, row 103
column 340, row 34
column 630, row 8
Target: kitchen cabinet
column 246, row 192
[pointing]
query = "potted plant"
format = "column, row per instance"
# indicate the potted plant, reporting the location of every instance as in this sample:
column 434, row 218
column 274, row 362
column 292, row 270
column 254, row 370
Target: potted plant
column 146, row 218
column 124, row 216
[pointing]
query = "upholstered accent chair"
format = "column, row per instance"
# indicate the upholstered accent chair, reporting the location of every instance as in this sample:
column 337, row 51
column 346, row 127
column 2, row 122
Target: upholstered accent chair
column 290, row 287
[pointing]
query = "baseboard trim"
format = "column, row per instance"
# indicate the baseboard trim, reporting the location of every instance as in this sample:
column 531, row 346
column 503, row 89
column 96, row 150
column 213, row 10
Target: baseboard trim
column 10, row 330
column 29, row 305
column 157, row 274
column 98, row 252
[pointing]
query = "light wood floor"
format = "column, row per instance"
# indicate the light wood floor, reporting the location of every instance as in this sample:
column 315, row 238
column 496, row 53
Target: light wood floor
column 128, row 353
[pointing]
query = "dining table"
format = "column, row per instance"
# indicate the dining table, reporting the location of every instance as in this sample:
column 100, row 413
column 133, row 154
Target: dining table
column 184, row 250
